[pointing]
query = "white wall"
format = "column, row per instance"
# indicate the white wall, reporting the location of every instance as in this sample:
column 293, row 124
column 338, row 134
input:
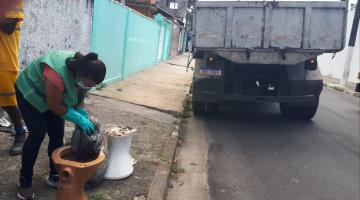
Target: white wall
column 334, row 67
column 55, row 25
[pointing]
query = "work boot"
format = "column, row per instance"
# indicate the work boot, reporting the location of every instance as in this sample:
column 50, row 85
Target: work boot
column 52, row 181
column 16, row 148
column 25, row 190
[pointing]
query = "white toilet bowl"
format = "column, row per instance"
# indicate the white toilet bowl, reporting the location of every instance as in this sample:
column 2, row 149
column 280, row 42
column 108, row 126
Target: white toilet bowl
column 120, row 162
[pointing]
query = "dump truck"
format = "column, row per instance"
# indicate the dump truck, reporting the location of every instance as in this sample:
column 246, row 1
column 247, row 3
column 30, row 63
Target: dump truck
column 263, row 51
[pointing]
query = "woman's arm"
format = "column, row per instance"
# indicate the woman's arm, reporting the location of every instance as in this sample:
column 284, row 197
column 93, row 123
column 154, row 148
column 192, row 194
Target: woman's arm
column 54, row 101
column 54, row 89
column 54, row 98
column 80, row 105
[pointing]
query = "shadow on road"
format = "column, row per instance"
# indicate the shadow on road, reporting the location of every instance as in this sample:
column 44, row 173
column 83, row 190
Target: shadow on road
column 257, row 118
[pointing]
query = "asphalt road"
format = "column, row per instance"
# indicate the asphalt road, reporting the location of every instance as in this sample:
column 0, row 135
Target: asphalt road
column 255, row 154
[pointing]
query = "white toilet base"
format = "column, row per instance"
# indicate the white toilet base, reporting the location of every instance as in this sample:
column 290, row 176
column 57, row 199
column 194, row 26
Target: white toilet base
column 120, row 162
column 118, row 175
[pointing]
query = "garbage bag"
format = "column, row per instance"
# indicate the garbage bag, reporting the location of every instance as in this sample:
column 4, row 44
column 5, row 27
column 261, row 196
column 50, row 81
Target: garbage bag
column 87, row 147
column 97, row 178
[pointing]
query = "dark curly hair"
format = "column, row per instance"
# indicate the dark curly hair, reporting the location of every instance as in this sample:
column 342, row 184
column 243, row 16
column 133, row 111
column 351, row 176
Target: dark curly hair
column 88, row 66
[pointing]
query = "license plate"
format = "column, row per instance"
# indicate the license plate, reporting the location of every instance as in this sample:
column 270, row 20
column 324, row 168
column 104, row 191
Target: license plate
column 210, row 72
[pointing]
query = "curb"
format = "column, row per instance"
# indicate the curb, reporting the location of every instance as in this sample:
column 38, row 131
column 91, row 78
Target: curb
column 158, row 187
column 342, row 89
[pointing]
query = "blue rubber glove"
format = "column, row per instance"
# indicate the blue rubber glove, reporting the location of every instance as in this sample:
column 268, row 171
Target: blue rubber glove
column 74, row 116
column 83, row 112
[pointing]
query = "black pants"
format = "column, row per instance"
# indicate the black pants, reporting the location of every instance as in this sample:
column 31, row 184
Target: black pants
column 38, row 125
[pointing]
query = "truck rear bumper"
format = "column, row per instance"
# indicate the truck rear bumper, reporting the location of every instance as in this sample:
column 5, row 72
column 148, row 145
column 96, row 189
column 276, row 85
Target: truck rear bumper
column 218, row 97
column 294, row 92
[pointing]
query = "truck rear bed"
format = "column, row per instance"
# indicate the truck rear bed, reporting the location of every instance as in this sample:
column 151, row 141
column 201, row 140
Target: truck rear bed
column 276, row 32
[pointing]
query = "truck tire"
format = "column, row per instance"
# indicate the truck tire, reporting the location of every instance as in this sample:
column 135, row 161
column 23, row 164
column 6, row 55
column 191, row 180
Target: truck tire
column 200, row 108
column 298, row 112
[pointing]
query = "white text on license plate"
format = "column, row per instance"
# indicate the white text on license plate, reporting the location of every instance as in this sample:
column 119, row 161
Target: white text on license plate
column 210, row 72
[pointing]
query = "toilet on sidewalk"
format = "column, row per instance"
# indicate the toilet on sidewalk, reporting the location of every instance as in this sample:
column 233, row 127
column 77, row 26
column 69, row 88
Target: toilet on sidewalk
column 118, row 145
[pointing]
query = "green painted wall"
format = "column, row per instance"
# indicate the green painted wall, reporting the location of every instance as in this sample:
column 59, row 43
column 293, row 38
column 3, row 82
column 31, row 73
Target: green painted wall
column 168, row 33
column 127, row 41
column 108, row 37
column 141, row 44
column 167, row 25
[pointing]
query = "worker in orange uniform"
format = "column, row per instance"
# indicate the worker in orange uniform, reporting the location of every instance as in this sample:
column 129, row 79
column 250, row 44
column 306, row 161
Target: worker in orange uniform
column 10, row 22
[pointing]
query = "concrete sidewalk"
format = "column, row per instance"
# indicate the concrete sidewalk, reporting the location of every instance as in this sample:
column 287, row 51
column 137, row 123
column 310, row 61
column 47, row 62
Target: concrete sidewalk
column 146, row 101
column 162, row 87
column 334, row 83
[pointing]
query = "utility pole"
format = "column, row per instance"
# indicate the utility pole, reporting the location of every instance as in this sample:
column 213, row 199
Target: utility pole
column 350, row 50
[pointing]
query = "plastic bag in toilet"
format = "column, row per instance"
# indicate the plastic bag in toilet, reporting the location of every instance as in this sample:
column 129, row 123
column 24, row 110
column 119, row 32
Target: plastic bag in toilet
column 87, row 147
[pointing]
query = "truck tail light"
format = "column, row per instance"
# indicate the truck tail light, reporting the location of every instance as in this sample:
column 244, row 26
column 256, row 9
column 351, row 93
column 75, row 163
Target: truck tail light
column 311, row 64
